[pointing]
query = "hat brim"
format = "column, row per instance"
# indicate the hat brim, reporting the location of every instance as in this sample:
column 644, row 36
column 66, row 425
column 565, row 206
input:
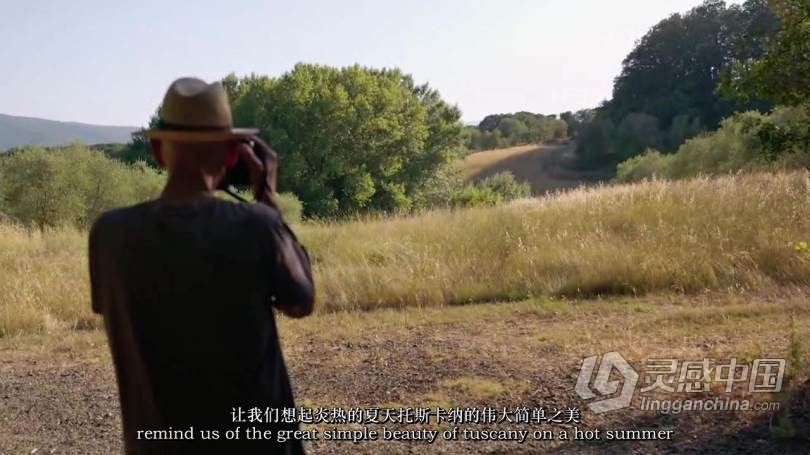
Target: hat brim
column 198, row 136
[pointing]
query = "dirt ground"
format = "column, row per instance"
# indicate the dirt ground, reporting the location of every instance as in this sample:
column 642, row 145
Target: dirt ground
column 58, row 393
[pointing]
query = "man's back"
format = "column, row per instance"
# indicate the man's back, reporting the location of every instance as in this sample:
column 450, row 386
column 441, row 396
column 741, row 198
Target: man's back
column 186, row 292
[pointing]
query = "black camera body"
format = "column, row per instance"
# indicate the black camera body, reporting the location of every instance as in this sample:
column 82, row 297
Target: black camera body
column 238, row 175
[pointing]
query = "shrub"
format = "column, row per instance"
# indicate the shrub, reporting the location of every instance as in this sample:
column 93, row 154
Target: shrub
column 505, row 185
column 644, row 166
column 744, row 141
column 438, row 189
column 474, row 196
column 70, row 185
column 500, row 187
column 291, row 207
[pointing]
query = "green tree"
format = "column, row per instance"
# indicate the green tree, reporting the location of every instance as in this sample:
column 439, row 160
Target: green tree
column 70, row 185
column 138, row 149
column 675, row 70
column 505, row 185
column 350, row 139
column 782, row 74
column 513, row 129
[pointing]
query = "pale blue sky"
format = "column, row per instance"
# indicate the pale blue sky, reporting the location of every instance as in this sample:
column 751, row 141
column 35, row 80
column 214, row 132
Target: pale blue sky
column 110, row 61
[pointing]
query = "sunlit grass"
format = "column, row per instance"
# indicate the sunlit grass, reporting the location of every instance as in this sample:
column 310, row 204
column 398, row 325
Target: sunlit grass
column 732, row 233
column 727, row 233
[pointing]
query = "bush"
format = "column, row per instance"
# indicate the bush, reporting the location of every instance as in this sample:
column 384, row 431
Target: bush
column 501, row 187
column 744, row 141
column 643, row 166
column 437, row 190
column 291, row 207
column 474, row 196
column 505, row 185
column 70, row 185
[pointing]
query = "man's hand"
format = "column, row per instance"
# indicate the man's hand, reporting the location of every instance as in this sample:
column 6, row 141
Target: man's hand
column 262, row 163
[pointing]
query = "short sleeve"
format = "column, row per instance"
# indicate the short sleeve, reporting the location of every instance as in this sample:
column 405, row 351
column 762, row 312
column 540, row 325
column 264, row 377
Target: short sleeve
column 290, row 269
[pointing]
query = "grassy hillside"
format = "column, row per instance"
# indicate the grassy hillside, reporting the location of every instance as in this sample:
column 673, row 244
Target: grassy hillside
column 545, row 167
column 731, row 233
column 16, row 131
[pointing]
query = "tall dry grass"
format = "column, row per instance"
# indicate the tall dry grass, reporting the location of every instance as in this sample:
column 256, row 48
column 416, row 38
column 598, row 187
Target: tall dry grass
column 730, row 232
column 43, row 280
column 725, row 233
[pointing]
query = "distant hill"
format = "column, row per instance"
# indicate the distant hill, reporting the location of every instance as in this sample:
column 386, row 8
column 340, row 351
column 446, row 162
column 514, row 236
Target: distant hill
column 546, row 167
column 15, row 131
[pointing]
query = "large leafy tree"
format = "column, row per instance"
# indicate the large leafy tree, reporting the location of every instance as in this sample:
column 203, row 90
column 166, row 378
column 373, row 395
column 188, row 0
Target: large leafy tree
column 677, row 65
column 671, row 78
column 782, row 74
column 350, row 139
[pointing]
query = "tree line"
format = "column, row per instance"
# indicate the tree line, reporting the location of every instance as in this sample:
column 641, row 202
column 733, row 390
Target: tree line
column 669, row 87
column 779, row 138
column 350, row 140
column 508, row 130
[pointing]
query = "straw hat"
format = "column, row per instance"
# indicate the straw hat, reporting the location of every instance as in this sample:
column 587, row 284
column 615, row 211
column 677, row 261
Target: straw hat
column 196, row 111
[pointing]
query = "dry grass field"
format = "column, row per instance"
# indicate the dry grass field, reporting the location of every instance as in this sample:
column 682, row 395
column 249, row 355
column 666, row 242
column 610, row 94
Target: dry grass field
column 686, row 236
column 490, row 306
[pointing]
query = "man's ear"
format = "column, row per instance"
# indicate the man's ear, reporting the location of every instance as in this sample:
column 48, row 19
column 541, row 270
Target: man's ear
column 157, row 151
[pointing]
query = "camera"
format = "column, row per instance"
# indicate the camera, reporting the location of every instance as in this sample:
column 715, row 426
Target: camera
column 238, row 175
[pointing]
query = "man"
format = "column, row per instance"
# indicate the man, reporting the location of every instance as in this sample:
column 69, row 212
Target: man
column 186, row 283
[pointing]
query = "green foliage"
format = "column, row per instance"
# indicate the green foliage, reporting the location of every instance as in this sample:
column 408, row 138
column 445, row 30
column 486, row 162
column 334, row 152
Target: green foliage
column 439, row 188
column 667, row 90
column 577, row 122
column 500, row 187
column 351, row 139
column 70, row 185
column 745, row 140
column 596, row 145
column 291, row 207
column 138, row 149
column 474, row 196
column 504, row 184
column 782, row 74
column 507, row 130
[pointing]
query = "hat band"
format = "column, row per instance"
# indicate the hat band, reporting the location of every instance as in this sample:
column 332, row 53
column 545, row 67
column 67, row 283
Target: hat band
column 177, row 127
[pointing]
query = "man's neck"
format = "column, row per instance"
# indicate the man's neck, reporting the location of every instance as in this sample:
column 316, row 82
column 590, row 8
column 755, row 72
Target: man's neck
column 187, row 188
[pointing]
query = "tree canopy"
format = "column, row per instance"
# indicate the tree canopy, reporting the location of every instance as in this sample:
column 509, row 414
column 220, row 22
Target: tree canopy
column 348, row 139
column 506, row 130
column 667, row 90
column 782, row 73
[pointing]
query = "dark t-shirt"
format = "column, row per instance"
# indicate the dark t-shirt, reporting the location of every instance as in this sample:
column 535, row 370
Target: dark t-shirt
column 186, row 294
